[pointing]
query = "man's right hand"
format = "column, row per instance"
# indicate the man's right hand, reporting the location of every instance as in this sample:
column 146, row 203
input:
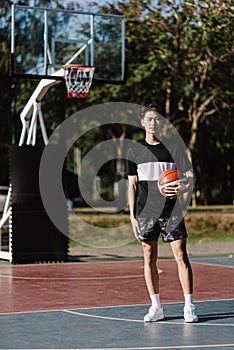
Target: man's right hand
column 135, row 227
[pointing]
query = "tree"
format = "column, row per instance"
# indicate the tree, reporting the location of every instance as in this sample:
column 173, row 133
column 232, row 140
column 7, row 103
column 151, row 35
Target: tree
column 180, row 54
column 205, row 62
column 7, row 105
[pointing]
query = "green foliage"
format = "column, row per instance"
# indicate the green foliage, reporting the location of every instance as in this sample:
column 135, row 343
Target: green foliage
column 183, row 54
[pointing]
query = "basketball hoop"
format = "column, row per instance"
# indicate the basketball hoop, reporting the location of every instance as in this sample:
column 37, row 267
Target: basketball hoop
column 78, row 79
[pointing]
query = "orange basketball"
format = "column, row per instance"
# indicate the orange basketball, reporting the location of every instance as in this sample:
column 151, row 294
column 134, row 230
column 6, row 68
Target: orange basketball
column 168, row 176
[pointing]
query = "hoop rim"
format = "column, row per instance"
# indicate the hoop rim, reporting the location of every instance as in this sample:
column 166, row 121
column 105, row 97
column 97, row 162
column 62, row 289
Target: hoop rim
column 78, row 66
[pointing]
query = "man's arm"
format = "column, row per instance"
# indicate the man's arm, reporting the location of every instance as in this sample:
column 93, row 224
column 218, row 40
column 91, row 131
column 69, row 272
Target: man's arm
column 132, row 190
column 188, row 186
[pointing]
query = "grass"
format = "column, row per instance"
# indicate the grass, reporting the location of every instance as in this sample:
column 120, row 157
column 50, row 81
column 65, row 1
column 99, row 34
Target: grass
column 98, row 229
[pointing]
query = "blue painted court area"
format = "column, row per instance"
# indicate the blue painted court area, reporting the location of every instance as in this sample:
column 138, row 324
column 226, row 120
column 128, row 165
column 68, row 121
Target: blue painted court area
column 223, row 261
column 120, row 328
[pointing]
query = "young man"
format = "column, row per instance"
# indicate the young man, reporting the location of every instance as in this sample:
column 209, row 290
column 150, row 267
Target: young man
column 151, row 213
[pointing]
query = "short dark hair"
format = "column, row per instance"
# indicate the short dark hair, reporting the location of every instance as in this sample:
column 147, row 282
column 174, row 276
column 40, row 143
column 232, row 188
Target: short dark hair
column 147, row 108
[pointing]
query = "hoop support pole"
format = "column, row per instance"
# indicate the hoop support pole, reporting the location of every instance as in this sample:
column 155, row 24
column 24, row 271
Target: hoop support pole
column 42, row 124
column 31, row 132
column 23, row 131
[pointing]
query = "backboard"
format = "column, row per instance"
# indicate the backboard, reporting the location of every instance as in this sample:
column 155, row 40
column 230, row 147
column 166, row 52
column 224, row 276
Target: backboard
column 43, row 40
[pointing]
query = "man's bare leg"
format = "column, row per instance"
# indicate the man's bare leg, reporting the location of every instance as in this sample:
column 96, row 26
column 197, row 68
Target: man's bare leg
column 150, row 250
column 184, row 267
column 186, row 278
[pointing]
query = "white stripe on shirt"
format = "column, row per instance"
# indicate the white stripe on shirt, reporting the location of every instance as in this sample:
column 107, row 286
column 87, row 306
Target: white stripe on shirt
column 152, row 170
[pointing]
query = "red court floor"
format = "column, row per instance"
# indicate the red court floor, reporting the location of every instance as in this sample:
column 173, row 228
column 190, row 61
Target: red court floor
column 97, row 284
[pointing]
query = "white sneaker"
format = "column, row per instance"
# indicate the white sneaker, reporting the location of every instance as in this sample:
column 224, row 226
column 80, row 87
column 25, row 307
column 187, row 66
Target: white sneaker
column 190, row 314
column 154, row 314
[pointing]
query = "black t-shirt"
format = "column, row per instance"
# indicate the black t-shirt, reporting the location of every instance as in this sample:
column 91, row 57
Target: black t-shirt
column 148, row 162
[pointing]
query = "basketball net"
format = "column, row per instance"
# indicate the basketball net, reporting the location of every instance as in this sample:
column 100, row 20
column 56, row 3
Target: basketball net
column 78, row 79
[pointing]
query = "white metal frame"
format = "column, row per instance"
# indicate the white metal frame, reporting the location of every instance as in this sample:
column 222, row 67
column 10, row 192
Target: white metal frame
column 6, row 255
column 32, row 112
column 49, row 57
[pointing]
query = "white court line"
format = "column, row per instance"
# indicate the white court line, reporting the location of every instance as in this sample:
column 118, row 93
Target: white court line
column 71, row 278
column 141, row 321
column 110, row 307
column 177, row 347
column 75, row 278
column 101, row 317
column 168, row 303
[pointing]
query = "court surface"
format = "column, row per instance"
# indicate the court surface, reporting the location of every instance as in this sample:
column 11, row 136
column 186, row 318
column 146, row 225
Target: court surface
column 101, row 305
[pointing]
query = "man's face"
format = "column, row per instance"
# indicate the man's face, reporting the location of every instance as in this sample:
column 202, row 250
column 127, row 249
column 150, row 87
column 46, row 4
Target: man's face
column 151, row 122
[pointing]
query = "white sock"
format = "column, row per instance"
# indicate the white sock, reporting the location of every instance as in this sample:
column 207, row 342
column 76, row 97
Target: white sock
column 188, row 299
column 155, row 299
